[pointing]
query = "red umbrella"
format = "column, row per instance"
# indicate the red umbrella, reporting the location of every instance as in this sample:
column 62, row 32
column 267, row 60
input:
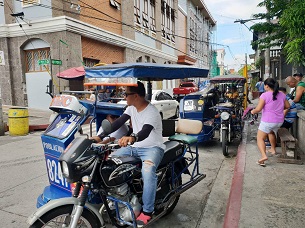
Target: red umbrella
column 71, row 73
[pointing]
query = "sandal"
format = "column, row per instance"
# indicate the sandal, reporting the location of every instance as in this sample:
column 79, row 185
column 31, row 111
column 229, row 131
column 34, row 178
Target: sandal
column 261, row 164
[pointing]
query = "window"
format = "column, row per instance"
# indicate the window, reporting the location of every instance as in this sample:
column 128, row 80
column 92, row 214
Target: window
column 114, row 4
column 32, row 57
column 90, row 62
column 137, row 14
column 152, row 15
column 29, row 2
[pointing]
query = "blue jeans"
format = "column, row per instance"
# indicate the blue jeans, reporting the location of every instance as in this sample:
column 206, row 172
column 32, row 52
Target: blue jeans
column 154, row 155
column 299, row 106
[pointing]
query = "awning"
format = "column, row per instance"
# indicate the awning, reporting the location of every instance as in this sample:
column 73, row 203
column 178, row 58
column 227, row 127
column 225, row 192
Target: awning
column 72, row 73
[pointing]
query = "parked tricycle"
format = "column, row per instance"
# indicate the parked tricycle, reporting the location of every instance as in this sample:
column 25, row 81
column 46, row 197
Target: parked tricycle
column 219, row 106
column 229, row 109
column 87, row 187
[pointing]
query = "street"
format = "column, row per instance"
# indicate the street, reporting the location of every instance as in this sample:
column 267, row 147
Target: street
column 23, row 178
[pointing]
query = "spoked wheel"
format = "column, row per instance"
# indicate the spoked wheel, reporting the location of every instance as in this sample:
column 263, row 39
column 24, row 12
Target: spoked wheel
column 224, row 143
column 61, row 217
column 173, row 202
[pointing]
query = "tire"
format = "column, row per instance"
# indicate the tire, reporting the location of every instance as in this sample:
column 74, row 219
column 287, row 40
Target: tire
column 87, row 218
column 224, row 143
column 174, row 202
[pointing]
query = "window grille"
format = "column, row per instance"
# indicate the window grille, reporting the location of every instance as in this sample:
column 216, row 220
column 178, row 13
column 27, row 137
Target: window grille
column 32, row 57
column 29, row 2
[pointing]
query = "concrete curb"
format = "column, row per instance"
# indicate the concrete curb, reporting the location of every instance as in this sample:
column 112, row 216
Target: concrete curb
column 232, row 214
column 34, row 127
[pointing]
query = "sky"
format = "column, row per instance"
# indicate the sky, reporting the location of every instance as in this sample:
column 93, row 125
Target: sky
column 235, row 35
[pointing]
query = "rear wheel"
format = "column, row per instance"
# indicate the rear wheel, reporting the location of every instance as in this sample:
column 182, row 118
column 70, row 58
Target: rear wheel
column 61, row 217
column 173, row 202
column 224, row 142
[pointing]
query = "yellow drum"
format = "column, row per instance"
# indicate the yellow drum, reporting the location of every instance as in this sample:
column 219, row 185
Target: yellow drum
column 18, row 121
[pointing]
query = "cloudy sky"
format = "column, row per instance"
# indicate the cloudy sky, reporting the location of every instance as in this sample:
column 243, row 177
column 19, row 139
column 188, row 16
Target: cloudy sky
column 234, row 35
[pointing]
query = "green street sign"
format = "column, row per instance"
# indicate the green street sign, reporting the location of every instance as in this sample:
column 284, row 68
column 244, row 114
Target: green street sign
column 47, row 61
column 56, row 62
column 43, row 61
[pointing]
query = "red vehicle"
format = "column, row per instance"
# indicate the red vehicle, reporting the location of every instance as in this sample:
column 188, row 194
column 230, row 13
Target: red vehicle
column 185, row 88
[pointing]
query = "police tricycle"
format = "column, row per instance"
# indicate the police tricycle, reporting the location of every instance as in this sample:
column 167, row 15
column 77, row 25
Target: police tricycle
column 87, row 187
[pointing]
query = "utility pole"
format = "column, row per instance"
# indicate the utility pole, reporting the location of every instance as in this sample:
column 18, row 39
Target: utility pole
column 1, row 116
column 267, row 57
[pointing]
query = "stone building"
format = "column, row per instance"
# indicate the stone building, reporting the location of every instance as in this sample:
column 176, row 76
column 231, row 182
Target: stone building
column 91, row 32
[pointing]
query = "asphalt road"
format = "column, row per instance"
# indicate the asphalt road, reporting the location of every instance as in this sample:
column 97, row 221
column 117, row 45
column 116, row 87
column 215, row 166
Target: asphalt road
column 23, row 177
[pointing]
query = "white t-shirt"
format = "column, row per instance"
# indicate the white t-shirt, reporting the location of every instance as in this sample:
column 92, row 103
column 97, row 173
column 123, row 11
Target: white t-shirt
column 150, row 115
column 122, row 131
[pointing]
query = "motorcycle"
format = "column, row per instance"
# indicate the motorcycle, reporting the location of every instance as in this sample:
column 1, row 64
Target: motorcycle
column 108, row 188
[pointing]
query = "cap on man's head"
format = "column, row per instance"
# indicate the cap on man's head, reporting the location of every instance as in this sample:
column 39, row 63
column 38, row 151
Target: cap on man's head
column 298, row 75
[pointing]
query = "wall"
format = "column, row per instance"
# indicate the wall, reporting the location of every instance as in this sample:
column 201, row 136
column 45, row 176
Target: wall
column 106, row 53
column 33, row 12
column 12, row 75
column 299, row 130
column 103, row 15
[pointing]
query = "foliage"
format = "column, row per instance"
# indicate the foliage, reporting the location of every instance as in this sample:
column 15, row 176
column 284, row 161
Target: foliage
column 284, row 27
column 293, row 22
column 241, row 70
column 259, row 62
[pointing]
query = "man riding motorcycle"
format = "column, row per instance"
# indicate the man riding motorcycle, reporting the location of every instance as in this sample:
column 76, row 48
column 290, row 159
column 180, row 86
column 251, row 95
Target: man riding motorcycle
column 145, row 142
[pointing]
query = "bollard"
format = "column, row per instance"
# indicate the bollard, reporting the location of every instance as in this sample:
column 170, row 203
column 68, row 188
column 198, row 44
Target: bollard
column 18, row 121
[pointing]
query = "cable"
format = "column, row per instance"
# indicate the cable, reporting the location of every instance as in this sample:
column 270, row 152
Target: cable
column 119, row 22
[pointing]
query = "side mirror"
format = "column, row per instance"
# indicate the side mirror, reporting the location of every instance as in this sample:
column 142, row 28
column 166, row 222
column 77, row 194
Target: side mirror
column 107, row 127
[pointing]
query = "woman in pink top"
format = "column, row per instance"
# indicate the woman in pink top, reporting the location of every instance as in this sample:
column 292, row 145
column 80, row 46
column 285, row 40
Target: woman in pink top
column 272, row 103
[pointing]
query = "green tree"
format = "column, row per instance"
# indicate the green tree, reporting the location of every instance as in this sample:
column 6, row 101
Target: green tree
column 284, row 27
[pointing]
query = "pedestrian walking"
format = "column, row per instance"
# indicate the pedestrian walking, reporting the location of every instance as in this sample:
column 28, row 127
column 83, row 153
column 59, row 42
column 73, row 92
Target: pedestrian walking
column 260, row 86
column 272, row 104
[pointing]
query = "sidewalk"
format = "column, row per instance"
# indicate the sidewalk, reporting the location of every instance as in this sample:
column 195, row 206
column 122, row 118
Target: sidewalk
column 271, row 196
column 38, row 119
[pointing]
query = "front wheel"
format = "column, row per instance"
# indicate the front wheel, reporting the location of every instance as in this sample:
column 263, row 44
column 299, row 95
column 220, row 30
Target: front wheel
column 224, row 142
column 61, row 217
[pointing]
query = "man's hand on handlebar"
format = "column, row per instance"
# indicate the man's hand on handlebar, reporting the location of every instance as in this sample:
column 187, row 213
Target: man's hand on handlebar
column 126, row 140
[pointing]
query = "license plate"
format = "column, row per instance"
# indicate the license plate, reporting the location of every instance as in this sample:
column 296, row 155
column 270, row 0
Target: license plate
column 55, row 173
column 188, row 105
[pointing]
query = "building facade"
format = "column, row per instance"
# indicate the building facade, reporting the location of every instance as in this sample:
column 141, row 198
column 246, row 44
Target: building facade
column 90, row 32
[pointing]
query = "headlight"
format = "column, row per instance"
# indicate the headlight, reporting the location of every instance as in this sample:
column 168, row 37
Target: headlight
column 65, row 169
column 224, row 115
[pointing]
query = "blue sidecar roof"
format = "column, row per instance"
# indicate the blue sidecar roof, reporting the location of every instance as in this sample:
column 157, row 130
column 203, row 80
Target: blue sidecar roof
column 146, row 71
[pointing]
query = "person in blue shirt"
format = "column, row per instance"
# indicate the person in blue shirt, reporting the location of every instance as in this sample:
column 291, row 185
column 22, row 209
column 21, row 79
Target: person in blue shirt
column 260, row 86
column 291, row 113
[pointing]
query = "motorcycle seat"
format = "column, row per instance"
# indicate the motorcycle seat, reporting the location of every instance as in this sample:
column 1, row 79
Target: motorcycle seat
column 173, row 149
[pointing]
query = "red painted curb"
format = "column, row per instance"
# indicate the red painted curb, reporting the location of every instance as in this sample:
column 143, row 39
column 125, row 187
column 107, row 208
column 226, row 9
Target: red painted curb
column 38, row 127
column 232, row 215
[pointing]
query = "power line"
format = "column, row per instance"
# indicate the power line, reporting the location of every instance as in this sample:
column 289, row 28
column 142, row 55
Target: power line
column 119, row 22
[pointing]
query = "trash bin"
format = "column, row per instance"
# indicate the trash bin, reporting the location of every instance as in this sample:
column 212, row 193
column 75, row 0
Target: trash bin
column 18, row 121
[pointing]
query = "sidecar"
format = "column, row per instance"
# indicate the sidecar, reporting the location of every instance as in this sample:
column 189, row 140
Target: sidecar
column 197, row 106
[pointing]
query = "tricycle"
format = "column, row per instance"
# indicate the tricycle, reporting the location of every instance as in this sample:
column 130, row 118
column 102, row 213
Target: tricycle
column 219, row 106
column 88, row 188
column 229, row 109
